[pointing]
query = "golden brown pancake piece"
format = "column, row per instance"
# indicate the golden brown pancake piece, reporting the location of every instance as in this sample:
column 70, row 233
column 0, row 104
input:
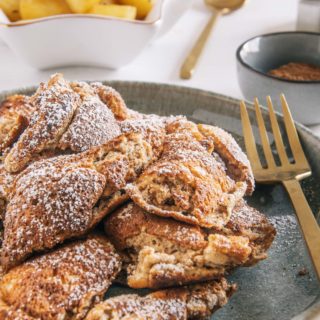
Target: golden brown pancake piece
column 6, row 182
column 15, row 113
column 237, row 163
column 62, row 284
column 164, row 252
column 121, row 161
column 187, row 183
column 249, row 222
column 93, row 123
column 114, row 101
column 186, row 303
column 51, row 201
column 55, row 104
column 152, row 128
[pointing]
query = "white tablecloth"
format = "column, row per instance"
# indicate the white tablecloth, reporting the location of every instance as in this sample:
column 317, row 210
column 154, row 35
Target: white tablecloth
column 161, row 60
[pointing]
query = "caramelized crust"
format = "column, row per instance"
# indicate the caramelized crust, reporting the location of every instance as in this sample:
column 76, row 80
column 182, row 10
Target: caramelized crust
column 16, row 104
column 15, row 113
column 130, row 220
column 6, row 182
column 237, row 163
column 186, row 303
column 187, row 183
column 164, row 252
column 249, row 222
column 52, row 200
column 55, row 105
column 63, row 284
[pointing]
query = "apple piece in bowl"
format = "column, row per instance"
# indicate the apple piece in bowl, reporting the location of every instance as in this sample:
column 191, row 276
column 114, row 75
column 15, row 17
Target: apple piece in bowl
column 81, row 6
column 115, row 10
column 143, row 6
column 33, row 9
column 11, row 9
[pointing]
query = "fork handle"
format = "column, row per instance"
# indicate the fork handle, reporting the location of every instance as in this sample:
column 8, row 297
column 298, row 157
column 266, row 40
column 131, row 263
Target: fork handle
column 190, row 62
column 307, row 221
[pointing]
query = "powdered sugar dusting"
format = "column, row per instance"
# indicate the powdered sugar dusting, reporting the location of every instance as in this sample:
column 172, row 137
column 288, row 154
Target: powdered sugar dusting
column 65, row 281
column 55, row 104
column 149, row 307
column 186, row 183
column 51, row 201
column 94, row 124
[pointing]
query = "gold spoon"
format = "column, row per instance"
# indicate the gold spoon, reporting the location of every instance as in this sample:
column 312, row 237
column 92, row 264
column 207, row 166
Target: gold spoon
column 220, row 7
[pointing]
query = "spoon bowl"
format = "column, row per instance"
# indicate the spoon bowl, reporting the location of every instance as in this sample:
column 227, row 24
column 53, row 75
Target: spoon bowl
column 226, row 6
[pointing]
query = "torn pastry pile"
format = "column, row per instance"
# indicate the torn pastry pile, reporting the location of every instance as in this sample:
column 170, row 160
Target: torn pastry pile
column 94, row 193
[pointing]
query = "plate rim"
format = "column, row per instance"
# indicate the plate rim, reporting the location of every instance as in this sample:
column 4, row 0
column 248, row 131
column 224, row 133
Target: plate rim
column 299, row 125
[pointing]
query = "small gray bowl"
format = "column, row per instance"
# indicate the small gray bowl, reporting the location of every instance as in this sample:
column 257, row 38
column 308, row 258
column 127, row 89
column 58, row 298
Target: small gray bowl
column 258, row 55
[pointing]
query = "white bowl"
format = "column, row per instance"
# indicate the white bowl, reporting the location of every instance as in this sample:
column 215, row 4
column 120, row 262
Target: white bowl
column 88, row 40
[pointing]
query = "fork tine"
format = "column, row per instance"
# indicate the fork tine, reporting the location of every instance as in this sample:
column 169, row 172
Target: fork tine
column 264, row 136
column 293, row 137
column 249, row 138
column 277, row 134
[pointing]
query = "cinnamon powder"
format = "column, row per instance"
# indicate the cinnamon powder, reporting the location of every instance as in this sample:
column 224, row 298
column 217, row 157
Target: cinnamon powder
column 297, row 71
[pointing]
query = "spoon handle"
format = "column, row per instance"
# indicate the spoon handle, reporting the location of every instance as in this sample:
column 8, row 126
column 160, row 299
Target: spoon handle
column 190, row 62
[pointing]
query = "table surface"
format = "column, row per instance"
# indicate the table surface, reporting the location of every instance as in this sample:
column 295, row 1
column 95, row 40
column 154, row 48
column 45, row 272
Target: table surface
column 161, row 60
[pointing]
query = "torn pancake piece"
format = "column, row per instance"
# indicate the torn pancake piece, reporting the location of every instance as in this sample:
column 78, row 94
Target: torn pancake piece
column 55, row 104
column 249, row 222
column 163, row 252
column 114, row 101
column 93, row 125
column 237, row 163
column 186, row 303
column 51, row 201
column 15, row 114
column 187, row 184
column 121, row 161
column 62, row 284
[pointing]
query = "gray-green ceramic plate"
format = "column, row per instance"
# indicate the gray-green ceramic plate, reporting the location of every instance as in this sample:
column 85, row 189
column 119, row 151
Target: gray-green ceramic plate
column 273, row 289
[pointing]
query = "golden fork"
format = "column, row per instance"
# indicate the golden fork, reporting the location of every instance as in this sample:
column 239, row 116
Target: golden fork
column 287, row 173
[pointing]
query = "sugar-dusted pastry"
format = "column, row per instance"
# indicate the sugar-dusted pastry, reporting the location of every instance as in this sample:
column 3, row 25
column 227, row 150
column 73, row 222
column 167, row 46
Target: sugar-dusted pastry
column 237, row 163
column 15, row 113
column 6, row 182
column 55, row 104
column 52, row 200
column 164, row 252
column 187, row 183
column 114, row 101
column 121, row 161
column 181, row 125
column 248, row 222
column 63, row 284
column 93, row 125
column 83, row 89
column 185, row 303
column 152, row 128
